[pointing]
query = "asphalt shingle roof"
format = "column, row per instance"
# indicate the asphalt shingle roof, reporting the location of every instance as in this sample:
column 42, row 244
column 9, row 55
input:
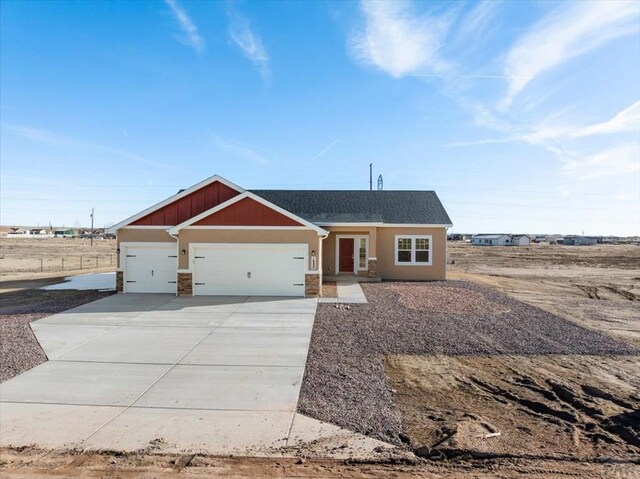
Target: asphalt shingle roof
column 358, row 206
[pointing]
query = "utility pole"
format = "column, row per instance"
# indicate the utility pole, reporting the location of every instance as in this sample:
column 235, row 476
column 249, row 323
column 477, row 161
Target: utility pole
column 370, row 176
column 91, row 232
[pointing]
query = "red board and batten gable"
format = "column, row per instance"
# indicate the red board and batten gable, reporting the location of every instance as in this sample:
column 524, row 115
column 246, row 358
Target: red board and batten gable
column 247, row 212
column 189, row 206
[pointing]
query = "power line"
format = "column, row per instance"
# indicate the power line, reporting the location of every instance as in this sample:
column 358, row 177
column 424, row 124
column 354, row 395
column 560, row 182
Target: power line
column 447, row 202
column 325, row 185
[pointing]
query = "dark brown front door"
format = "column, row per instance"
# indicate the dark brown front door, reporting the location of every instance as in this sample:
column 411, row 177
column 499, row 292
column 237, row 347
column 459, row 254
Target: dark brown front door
column 346, row 255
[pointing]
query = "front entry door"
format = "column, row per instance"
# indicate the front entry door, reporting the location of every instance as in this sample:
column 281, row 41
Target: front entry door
column 346, row 255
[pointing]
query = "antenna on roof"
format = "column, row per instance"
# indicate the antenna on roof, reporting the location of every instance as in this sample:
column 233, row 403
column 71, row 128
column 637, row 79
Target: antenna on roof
column 370, row 176
column 380, row 183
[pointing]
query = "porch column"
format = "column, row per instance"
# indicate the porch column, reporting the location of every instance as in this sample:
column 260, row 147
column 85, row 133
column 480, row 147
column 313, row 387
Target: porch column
column 372, row 260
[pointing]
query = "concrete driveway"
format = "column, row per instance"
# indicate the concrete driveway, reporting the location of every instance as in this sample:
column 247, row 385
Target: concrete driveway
column 205, row 374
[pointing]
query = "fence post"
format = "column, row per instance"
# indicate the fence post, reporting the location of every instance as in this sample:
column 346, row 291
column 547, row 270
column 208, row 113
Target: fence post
column 41, row 265
column 96, row 262
column 80, row 262
column 63, row 263
column 111, row 259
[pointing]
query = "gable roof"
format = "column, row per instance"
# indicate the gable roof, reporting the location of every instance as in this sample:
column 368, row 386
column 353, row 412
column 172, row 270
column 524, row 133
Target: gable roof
column 172, row 199
column 325, row 207
column 247, row 194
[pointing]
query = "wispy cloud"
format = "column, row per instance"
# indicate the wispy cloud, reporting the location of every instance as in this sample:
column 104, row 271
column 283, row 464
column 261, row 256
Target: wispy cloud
column 627, row 120
column 47, row 137
column 565, row 33
column 190, row 34
column 621, row 160
column 326, row 148
column 249, row 42
column 238, row 150
column 398, row 40
column 477, row 26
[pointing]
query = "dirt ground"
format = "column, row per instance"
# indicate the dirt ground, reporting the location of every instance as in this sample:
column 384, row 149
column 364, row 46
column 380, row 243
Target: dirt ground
column 33, row 463
column 580, row 407
column 597, row 286
column 20, row 257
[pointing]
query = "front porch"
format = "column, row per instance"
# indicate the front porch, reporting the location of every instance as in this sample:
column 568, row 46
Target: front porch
column 350, row 252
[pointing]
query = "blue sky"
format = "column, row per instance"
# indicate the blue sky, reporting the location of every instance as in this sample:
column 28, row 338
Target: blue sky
column 523, row 116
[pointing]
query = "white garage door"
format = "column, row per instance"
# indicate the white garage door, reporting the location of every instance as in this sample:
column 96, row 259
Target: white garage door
column 249, row 269
column 150, row 268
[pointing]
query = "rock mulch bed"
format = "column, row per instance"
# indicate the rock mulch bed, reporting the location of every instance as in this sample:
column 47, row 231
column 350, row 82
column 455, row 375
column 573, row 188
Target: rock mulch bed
column 19, row 349
column 344, row 381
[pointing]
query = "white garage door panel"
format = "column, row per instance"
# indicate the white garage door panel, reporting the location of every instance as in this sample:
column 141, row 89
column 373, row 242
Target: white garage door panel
column 150, row 268
column 249, row 269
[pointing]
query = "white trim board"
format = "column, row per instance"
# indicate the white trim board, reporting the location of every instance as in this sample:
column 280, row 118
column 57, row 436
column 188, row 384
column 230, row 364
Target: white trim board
column 292, row 228
column 173, row 198
column 146, row 227
column 388, row 225
column 247, row 194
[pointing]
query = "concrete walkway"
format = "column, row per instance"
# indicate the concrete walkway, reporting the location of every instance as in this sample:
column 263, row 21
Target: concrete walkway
column 216, row 375
column 349, row 292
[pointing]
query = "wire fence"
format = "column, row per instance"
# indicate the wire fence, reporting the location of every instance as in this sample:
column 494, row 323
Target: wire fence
column 56, row 263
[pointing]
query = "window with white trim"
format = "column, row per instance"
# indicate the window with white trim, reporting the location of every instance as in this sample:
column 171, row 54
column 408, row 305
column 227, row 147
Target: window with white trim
column 413, row 250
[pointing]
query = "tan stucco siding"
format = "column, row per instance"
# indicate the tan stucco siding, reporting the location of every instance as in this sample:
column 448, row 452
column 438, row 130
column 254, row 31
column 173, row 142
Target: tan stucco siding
column 142, row 235
column 188, row 236
column 386, row 255
column 329, row 244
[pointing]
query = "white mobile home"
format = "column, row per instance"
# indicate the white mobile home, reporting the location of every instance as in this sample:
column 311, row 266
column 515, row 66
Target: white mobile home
column 491, row 240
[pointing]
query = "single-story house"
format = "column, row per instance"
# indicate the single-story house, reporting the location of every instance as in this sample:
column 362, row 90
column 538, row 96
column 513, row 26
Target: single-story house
column 491, row 240
column 574, row 240
column 217, row 238
column 520, row 240
column 64, row 233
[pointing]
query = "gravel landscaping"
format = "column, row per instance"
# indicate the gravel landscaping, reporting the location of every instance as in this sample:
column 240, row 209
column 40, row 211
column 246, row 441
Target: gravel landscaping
column 344, row 381
column 19, row 349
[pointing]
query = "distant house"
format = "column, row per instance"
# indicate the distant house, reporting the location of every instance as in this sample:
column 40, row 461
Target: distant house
column 17, row 231
column 520, row 240
column 64, row 233
column 37, row 231
column 491, row 240
column 575, row 240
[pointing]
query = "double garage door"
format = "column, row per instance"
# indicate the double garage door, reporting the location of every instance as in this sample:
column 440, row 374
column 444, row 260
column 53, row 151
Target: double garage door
column 218, row 269
column 248, row 269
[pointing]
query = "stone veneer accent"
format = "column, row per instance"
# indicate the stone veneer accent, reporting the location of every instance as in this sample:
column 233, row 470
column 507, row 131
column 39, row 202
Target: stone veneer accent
column 311, row 285
column 372, row 268
column 185, row 284
column 119, row 281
